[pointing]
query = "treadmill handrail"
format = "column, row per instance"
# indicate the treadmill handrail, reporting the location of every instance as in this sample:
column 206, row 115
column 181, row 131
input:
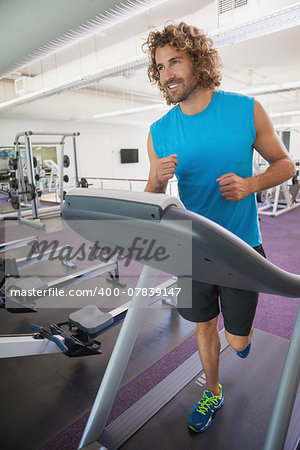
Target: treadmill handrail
column 160, row 200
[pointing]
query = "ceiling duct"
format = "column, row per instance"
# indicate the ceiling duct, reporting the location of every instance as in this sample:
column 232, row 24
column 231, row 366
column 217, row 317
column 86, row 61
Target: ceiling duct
column 230, row 5
column 31, row 29
column 271, row 23
column 78, row 83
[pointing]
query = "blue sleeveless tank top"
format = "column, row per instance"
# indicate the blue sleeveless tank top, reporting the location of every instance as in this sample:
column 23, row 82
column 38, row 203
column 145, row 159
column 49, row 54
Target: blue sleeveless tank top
column 216, row 141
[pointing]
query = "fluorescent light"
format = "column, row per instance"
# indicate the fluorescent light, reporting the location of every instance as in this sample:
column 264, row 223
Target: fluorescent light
column 122, row 112
column 287, row 125
column 285, row 114
column 291, row 113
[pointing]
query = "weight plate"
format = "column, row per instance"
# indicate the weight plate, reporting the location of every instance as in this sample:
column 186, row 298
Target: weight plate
column 261, row 196
column 13, row 163
column 66, row 161
column 15, row 202
column 14, row 183
column 30, row 192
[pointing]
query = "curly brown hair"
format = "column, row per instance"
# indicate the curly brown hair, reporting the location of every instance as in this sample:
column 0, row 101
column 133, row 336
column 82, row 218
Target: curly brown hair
column 205, row 59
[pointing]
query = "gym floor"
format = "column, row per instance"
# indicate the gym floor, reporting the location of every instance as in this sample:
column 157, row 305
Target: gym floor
column 45, row 395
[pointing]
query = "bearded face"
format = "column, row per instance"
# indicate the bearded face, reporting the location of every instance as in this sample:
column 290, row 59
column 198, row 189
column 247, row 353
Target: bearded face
column 176, row 74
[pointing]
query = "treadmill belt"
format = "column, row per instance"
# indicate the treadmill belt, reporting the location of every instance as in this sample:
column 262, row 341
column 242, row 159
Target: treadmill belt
column 250, row 388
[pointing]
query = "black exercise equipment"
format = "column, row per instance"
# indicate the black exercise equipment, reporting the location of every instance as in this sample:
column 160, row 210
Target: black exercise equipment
column 73, row 345
column 83, row 183
column 14, row 199
column 13, row 183
column 8, row 268
column 13, row 163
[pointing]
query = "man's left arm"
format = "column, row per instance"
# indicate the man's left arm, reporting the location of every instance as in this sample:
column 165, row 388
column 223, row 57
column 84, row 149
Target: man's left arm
column 271, row 148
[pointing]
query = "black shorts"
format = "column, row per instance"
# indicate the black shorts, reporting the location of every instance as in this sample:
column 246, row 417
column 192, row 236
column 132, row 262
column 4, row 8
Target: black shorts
column 238, row 306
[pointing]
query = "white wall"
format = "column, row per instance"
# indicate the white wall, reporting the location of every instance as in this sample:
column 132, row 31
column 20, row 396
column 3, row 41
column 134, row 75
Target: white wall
column 98, row 148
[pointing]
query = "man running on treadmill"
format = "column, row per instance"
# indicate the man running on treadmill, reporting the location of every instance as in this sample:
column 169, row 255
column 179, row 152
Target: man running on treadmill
column 207, row 141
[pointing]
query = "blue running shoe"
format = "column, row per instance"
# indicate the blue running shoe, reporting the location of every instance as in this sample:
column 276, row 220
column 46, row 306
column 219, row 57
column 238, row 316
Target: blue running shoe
column 244, row 353
column 201, row 415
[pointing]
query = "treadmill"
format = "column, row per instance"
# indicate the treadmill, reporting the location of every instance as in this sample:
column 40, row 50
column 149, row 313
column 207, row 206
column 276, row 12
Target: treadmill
column 188, row 245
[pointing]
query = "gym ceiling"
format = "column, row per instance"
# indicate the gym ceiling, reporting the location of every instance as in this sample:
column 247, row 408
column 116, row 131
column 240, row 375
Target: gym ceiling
column 71, row 60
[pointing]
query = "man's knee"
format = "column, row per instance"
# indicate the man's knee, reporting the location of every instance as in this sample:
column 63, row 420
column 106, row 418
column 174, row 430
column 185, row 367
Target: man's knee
column 238, row 343
column 204, row 328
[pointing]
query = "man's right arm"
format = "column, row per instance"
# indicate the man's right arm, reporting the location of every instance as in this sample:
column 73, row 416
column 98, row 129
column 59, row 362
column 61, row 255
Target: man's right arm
column 161, row 170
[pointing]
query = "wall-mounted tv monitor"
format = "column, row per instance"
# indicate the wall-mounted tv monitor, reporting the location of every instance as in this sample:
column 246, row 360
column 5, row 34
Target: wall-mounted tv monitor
column 129, row 155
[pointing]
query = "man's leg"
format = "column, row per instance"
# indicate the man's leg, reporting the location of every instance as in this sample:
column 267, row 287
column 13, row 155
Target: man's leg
column 204, row 305
column 208, row 341
column 238, row 309
column 238, row 343
column 209, row 348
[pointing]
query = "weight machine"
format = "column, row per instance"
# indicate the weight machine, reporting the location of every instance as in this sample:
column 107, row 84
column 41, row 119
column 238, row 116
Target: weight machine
column 25, row 188
column 74, row 337
column 280, row 199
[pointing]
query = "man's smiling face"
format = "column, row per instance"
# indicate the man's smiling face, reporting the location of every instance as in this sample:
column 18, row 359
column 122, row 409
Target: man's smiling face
column 176, row 74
